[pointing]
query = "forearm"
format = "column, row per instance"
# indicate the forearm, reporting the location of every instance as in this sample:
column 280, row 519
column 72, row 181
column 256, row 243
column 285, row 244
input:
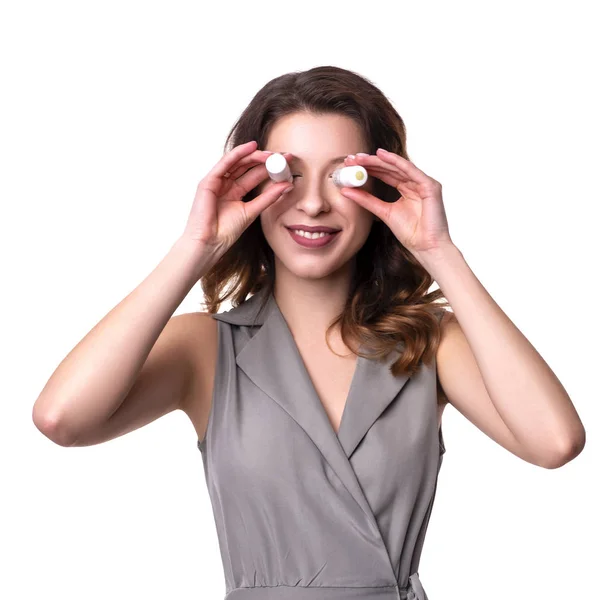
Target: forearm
column 92, row 381
column 525, row 391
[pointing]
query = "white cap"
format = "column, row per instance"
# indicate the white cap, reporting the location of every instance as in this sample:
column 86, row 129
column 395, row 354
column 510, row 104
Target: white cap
column 353, row 176
column 278, row 168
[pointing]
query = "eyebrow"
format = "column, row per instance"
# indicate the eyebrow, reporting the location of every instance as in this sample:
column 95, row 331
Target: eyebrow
column 330, row 162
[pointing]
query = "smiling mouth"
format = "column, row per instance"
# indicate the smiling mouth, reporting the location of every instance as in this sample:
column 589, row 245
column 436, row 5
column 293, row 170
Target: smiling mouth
column 312, row 229
column 312, row 235
column 313, row 240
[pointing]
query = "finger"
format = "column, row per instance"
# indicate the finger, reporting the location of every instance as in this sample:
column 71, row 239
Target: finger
column 245, row 164
column 249, row 180
column 378, row 207
column 403, row 165
column 380, row 169
column 372, row 162
column 256, row 158
column 366, row 159
column 253, row 182
column 269, row 196
column 385, row 175
column 238, row 172
column 229, row 159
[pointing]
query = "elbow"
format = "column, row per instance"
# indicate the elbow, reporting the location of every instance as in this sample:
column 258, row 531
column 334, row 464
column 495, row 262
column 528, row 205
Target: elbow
column 53, row 427
column 566, row 452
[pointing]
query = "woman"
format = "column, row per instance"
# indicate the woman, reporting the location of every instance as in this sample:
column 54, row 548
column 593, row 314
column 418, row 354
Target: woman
column 317, row 399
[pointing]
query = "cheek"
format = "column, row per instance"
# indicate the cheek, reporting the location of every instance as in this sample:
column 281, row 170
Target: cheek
column 362, row 217
column 365, row 223
column 264, row 222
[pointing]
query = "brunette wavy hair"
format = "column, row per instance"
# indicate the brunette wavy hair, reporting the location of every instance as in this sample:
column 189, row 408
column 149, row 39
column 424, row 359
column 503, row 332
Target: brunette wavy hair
column 388, row 302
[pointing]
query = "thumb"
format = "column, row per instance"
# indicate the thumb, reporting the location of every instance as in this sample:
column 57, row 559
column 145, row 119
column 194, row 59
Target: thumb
column 268, row 197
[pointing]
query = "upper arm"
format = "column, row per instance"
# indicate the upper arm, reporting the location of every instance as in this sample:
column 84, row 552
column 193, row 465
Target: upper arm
column 165, row 380
column 464, row 388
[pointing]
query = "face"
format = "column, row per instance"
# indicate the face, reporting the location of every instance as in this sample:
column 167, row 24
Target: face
column 315, row 200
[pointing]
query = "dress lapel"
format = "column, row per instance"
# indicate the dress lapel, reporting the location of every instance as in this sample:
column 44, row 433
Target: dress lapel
column 272, row 361
column 373, row 389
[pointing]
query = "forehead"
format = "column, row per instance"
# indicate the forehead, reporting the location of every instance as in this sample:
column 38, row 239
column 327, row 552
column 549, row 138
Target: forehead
column 298, row 160
column 320, row 136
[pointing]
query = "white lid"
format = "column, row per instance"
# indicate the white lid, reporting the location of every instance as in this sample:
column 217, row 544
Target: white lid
column 276, row 163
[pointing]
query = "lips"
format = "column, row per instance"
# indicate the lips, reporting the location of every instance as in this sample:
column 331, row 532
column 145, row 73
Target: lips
column 318, row 242
column 313, row 228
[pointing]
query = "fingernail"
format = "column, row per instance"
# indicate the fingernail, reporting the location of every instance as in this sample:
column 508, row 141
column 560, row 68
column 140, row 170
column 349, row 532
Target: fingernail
column 267, row 152
column 287, row 190
column 361, row 154
column 351, row 156
column 382, row 149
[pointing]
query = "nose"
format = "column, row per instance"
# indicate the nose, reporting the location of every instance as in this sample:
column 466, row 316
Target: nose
column 313, row 194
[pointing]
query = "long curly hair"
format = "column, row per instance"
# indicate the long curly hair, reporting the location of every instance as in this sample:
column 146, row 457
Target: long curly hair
column 388, row 302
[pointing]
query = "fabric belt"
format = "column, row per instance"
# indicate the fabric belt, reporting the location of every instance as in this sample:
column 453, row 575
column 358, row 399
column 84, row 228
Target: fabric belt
column 413, row 591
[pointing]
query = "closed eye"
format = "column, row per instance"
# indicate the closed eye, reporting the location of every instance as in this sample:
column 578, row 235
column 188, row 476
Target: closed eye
column 294, row 176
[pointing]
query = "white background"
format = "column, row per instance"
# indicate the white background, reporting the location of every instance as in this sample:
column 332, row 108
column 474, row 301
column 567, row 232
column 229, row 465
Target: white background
column 111, row 113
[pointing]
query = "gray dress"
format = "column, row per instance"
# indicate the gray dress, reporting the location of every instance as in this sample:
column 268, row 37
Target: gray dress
column 302, row 513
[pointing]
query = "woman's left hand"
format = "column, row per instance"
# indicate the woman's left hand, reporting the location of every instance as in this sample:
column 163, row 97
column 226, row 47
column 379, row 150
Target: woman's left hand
column 417, row 218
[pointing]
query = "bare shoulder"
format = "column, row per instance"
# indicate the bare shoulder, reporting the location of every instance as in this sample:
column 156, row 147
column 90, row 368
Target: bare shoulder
column 202, row 337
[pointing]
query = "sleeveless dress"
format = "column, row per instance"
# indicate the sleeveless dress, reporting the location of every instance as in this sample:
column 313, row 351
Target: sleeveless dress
column 300, row 512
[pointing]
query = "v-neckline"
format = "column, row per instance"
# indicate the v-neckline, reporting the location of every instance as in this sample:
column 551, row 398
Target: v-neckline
column 357, row 363
column 270, row 358
column 315, row 395
column 318, row 398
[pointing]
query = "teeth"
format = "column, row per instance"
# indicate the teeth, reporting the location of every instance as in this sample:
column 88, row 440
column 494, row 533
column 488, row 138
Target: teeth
column 310, row 236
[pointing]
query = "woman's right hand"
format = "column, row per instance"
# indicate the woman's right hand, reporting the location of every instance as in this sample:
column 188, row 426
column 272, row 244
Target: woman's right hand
column 219, row 216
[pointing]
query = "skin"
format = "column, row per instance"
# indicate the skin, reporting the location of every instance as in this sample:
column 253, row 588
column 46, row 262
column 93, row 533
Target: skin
column 312, row 284
column 487, row 368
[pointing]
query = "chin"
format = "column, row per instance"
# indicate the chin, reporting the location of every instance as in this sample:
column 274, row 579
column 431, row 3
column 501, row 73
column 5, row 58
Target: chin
column 313, row 272
column 308, row 265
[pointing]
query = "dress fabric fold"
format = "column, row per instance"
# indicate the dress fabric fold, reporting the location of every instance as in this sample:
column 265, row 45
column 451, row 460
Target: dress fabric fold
column 303, row 513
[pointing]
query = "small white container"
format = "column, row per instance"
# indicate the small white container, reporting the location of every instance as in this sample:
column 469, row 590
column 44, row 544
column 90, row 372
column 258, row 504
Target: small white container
column 278, row 168
column 354, row 176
